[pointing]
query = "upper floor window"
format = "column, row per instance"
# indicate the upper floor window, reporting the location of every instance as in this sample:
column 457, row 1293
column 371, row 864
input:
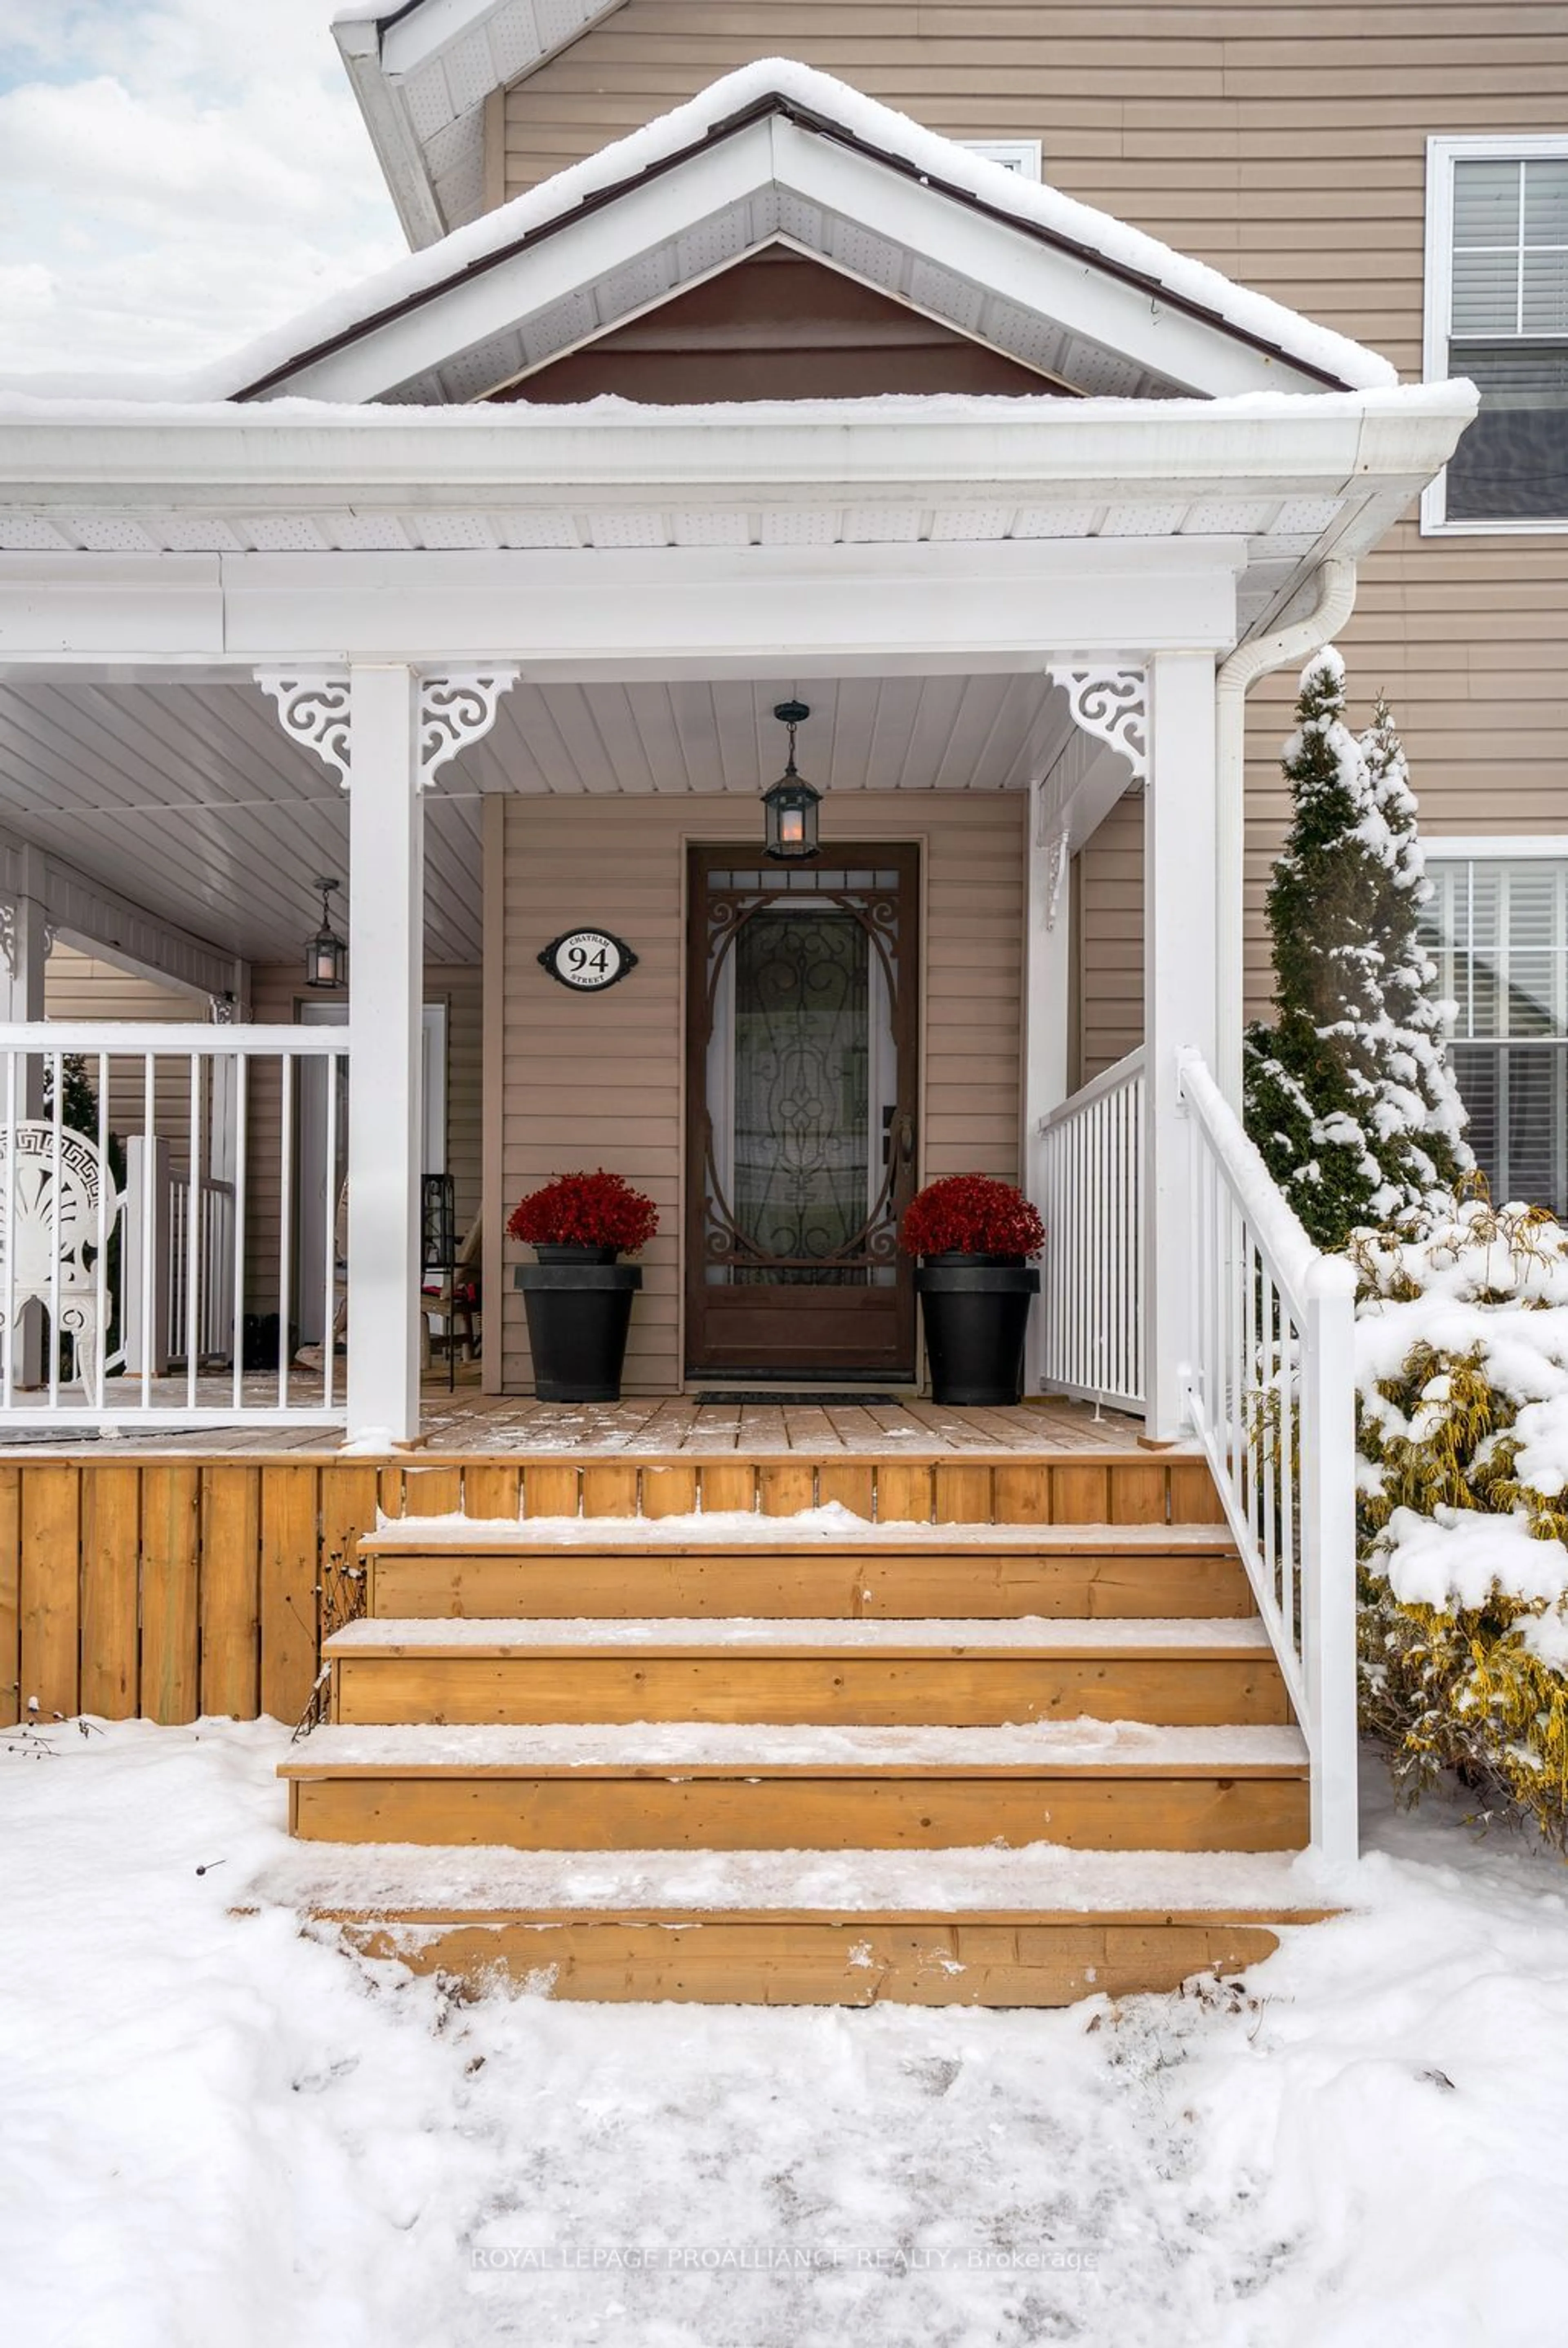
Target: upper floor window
column 1497, row 928
column 1497, row 311
column 1019, row 155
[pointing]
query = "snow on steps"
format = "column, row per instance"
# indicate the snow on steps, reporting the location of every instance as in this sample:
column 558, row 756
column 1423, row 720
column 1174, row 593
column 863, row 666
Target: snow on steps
column 1035, row 1927
column 855, row 1840
column 678, row 1634
column 685, row 1746
column 393, row 1879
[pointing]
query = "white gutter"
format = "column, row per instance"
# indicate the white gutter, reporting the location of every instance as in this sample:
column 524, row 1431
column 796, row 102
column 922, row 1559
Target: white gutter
column 1335, row 601
column 1341, row 444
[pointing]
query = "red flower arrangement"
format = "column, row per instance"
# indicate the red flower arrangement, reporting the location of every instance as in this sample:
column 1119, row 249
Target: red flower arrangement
column 596, row 1209
column 970, row 1214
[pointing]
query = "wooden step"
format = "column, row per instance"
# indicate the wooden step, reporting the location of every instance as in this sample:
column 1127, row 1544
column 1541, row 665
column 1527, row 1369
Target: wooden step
column 420, row 1570
column 1041, row 1927
column 1118, row 1787
column 1191, row 1672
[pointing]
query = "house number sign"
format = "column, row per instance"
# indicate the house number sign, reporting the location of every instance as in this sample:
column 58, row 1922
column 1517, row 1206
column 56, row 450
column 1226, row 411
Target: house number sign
column 588, row 960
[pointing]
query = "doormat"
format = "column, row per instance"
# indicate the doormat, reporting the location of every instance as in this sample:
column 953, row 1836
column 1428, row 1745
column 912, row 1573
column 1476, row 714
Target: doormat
column 712, row 1399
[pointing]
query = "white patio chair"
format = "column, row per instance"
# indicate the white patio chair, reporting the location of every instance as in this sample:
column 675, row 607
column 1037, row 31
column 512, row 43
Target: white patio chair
column 49, row 1235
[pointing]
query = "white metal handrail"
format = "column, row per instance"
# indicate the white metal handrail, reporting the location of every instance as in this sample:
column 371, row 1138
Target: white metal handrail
column 1270, row 1394
column 1088, row 1183
column 82, row 1257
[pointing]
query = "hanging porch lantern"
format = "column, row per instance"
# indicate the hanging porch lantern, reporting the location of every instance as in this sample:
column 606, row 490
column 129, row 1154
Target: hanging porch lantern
column 326, row 955
column 790, row 806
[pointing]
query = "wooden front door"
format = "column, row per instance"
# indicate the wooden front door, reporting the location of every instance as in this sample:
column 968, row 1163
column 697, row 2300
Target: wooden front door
column 802, row 1062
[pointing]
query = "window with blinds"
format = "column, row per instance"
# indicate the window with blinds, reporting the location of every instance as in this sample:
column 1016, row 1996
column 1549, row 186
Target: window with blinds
column 1497, row 930
column 1502, row 320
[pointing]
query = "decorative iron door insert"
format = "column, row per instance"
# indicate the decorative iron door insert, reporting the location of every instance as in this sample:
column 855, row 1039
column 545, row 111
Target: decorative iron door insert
column 802, row 1106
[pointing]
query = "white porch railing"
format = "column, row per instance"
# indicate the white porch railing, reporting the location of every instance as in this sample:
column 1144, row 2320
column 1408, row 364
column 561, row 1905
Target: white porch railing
column 1088, row 1185
column 1270, row 1394
column 107, row 1275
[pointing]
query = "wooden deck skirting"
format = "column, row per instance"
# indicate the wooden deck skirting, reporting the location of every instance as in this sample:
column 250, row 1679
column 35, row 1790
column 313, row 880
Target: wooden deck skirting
column 174, row 1587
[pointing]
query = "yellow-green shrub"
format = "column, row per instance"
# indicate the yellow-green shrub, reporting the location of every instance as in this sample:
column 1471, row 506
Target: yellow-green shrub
column 1462, row 1334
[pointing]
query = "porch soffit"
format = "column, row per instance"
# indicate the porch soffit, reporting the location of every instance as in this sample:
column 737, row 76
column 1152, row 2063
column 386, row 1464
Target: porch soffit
column 188, row 800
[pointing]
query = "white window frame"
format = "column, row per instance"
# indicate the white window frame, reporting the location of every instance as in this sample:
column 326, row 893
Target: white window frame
column 1492, row 846
column 1504, row 848
column 1442, row 154
column 1023, row 156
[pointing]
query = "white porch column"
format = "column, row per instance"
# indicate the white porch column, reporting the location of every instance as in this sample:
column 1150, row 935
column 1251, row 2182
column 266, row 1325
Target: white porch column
column 24, row 941
column 386, row 993
column 387, row 730
column 1180, row 1001
column 25, row 956
column 1047, row 992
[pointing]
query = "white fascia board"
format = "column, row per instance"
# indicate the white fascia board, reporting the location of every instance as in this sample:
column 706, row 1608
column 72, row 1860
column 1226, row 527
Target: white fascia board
column 1348, row 444
column 168, row 608
column 1015, row 605
column 391, row 134
column 379, row 66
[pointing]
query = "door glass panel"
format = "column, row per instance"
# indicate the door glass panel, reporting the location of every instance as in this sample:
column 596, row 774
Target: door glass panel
column 802, row 1080
column 802, row 1147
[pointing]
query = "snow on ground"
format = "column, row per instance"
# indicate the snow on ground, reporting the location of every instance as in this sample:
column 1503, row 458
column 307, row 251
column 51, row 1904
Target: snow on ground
column 215, row 2131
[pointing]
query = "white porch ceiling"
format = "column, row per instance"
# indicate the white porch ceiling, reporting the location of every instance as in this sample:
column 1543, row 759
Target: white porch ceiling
column 188, row 799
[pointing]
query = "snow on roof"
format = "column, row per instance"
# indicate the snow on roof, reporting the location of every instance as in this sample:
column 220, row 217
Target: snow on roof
column 878, row 126
column 159, row 401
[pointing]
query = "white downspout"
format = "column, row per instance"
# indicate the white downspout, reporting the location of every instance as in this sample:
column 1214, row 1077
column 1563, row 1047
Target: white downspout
column 1335, row 601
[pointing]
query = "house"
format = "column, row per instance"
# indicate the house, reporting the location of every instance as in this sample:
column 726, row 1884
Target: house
column 479, row 593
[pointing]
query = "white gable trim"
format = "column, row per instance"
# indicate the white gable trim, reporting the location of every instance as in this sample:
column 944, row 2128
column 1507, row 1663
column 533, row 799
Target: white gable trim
column 769, row 179
column 1025, row 217
column 422, row 77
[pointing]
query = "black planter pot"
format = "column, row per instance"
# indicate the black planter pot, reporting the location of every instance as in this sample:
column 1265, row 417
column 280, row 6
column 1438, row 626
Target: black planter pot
column 579, row 1303
column 977, row 1317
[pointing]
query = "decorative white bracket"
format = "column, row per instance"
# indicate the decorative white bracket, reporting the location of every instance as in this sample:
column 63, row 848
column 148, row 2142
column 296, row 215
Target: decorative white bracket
column 312, row 709
column 1112, row 703
column 455, row 708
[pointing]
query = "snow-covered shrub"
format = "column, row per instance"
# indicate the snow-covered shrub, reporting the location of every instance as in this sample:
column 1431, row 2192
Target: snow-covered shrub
column 1350, row 1096
column 1463, row 1368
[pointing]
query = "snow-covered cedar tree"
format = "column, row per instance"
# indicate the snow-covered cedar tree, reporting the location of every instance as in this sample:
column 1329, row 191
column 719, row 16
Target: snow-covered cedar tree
column 1462, row 1347
column 78, row 1101
column 1350, row 1097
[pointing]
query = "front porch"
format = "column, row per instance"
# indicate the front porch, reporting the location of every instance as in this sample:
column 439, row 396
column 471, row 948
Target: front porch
column 378, row 609
column 465, row 1423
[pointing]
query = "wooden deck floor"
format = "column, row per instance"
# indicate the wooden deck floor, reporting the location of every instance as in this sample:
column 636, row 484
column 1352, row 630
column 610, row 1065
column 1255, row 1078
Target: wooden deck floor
column 466, row 1424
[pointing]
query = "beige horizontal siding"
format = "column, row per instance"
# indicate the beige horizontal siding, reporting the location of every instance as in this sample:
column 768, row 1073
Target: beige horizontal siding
column 600, row 1079
column 1285, row 144
column 78, row 986
column 1108, row 906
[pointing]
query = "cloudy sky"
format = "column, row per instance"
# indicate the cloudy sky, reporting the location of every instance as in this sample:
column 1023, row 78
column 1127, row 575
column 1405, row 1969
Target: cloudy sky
column 174, row 178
